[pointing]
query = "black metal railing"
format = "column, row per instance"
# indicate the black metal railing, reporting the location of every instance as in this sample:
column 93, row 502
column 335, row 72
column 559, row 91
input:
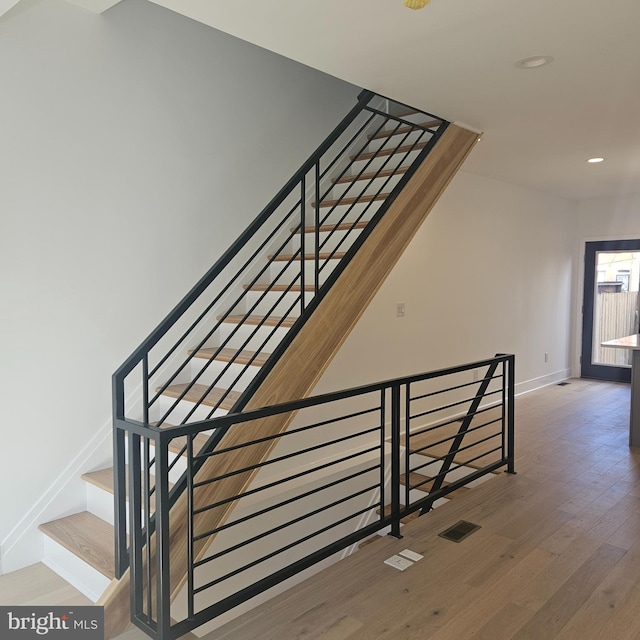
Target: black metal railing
column 351, row 464
column 212, row 352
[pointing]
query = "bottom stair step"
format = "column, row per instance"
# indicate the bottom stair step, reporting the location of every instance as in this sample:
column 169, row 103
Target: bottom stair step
column 86, row 536
column 103, row 479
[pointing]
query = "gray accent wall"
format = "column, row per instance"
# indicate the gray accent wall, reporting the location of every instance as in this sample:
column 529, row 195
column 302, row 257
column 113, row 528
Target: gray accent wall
column 135, row 147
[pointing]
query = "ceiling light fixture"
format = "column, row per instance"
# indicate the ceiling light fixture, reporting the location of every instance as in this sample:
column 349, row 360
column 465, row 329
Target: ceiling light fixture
column 533, row 62
column 416, row 4
column 595, row 160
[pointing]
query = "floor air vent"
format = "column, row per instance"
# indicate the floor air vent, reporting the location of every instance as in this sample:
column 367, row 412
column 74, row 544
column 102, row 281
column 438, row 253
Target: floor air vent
column 563, row 384
column 459, row 531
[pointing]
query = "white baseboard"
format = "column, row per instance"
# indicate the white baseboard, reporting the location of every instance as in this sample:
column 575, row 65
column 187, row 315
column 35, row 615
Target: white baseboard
column 543, row 381
column 66, row 495
column 75, row 571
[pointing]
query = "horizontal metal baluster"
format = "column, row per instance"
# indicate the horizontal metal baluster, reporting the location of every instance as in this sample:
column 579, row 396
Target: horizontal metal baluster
column 269, row 509
column 353, row 159
column 377, row 176
column 339, row 155
column 220, row 322
column 377, row 193
column 362, row 171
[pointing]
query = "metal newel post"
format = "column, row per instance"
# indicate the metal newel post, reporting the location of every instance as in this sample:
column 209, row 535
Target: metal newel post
column 119, row 481
column 302, row 241
column 395, row 461
column 163, row 573
column 135, row 524
column 511, row 447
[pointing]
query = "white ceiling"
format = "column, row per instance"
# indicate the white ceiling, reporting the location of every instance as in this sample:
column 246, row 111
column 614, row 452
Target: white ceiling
column 455, row 58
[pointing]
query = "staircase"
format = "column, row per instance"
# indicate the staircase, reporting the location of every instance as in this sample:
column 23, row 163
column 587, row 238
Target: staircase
column 258, row 330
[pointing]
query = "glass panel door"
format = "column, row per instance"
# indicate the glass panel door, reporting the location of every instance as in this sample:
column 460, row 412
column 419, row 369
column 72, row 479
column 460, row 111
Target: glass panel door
column 610, row 310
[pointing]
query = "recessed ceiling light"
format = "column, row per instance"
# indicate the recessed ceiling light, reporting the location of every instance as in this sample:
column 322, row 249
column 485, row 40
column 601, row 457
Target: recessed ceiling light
column 595, row 160
column 533, row 62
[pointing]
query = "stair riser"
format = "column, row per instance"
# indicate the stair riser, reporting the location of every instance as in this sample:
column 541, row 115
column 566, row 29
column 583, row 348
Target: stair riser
column 75, row 571
column 338, row 239
column 261, row 302
column 222, row 374
column 352, row 211
column 328, row 217
column 370, row 187
column 284, row 273
column 174, row 475
column 381, row 162
column 100, row 504
column 251, row 338
column 181, row 410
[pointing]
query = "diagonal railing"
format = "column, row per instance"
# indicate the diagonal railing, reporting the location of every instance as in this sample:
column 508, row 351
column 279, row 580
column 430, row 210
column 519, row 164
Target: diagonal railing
column 250, row 305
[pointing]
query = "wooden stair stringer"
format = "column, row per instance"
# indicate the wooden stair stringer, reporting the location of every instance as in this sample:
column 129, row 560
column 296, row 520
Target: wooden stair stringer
column 305, row 360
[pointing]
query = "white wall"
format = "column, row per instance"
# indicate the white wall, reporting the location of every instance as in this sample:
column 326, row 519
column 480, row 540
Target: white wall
column 136, row 146
column 615, row 218
column 489, row 271
column 609, row 218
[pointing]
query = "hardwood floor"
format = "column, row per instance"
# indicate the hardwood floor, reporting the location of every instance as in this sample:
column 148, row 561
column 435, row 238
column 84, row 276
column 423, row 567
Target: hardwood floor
column 557, row 555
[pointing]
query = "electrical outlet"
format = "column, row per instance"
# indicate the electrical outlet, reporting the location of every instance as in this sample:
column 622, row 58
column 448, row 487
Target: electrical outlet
column 400, row 311
column 398, row 563
column 546, row 357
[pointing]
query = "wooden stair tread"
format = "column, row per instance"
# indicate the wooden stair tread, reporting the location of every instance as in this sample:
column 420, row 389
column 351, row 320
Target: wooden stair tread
column 389, row 152
column 327, row 228
column 233, row 355
column 371, row 175
column 86, row 536
column 103, row 479
column 416, row 478
column 387, row 133
column 269, row 321
column 279, row 288
column 197, row 391
column 353, row 200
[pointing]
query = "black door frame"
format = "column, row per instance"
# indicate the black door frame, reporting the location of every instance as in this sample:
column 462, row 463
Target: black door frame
column 587, row 369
